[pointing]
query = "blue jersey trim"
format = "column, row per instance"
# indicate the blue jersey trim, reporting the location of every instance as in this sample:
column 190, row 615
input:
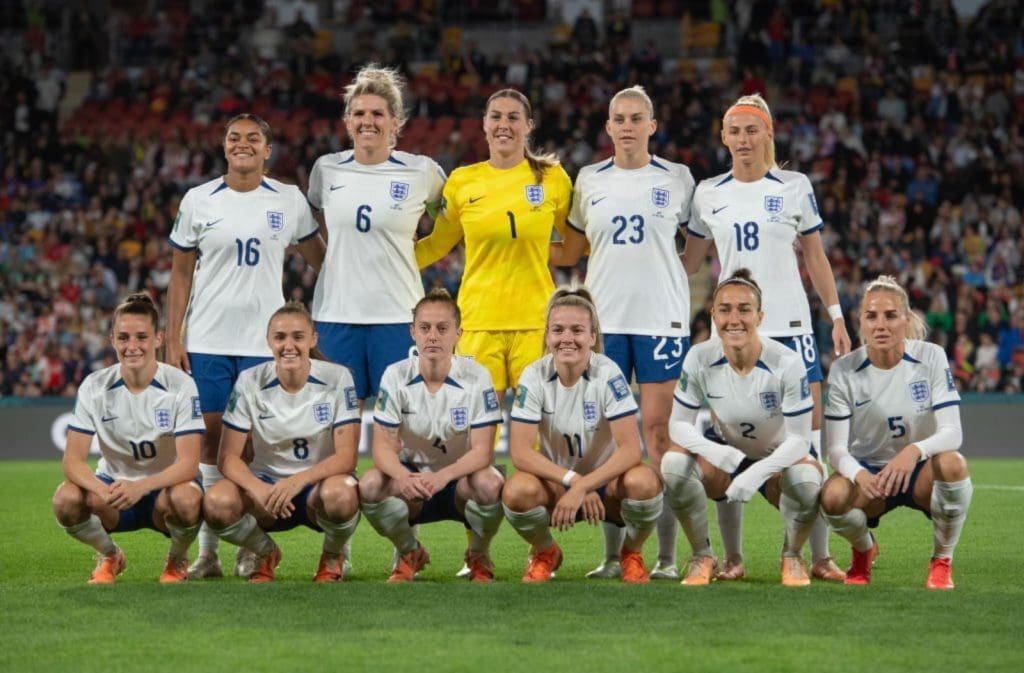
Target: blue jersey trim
column 309, row 235
column 798, row 413
column 524, row 420
column 631, row 412
column 159, row 386
column 691, row 232
column 943, row 405
column 611, row 162
column 266, row 185
column 863, row 365
column 313, row 379
column 386, row 424
column 183, row 248
column 190, row 432
column 116, row 384
column 272, row 384
column 769, row 176
column 685, row 404
column 393, row 160
column 818, row 227
column 220, row 188
column 347, row 161
column 486, row 424
column 569, row 222
column 82, row 430
column 722, row 361
column 838, row 418
column 586, row 375
column 657, row 165
column 347, row 421
column 908, row 358
column 762, row 365
column 727, row 179
column 234, row 427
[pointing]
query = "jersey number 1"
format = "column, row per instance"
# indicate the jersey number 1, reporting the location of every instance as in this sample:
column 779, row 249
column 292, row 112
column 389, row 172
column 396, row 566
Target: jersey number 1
column 511, row 222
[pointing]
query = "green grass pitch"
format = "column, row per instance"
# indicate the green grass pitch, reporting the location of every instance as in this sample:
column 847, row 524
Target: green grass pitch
column 50, row 620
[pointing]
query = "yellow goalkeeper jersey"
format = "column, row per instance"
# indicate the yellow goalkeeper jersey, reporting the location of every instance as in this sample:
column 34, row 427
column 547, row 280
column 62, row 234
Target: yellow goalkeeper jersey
column 505, row 219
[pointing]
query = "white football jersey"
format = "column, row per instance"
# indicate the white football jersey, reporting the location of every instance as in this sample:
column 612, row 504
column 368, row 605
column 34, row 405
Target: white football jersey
column 754, row 225
column 136, row 432
column 434, row 427
column 371, row 213
column 574, row 422
column 631, row 218
column 890, row 408
column 748, row 410
column 241, row 239
column 292, row 432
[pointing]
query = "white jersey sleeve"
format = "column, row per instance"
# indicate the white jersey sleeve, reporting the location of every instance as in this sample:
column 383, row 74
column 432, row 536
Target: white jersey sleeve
column 689, row 391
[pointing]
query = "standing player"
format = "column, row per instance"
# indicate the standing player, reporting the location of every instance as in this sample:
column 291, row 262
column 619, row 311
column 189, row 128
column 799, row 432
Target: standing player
column 433, row 448
column 758, row 392
column 753, row 214
column 148, row 420
column 372, row 198
column 229, row 241
column 303, row 417
column 589, row 466
column 630, row 208
column 893, row 433
column 504, row 209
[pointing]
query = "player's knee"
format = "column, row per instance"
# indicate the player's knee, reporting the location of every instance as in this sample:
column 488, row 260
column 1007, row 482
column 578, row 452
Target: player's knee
column 371, row 486
column 222, row 505
column 522, row 492
column 641, row 483
column 949, row 466
column 836, row 495
column 339, row 496
column 486, row 486
column 186, row 503
column 69, row 503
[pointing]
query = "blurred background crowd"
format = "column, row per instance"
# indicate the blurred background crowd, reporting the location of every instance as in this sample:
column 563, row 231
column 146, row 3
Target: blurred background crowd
column 907, row 115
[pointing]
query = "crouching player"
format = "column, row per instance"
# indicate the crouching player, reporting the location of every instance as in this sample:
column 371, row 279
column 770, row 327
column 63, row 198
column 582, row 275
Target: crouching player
column 304, row 419
column 589, row 464
column 433, row 445
column 758, row 392
column 148, row 421
column 893, row 421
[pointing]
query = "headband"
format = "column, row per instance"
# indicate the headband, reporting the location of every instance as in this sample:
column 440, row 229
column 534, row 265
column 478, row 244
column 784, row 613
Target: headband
column 750, row 110
column 740, row 281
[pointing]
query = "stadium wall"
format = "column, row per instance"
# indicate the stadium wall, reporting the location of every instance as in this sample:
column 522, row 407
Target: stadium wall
column 35, row 429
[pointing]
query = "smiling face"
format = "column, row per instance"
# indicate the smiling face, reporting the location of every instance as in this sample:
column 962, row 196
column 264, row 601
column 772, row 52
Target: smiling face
column 737, row 315
column 883, row 321
column 570, row 335
column 291, row 337
column 135, row 339
column 370, row 124
column 435, row 331
column 506, row 127
column 245, row 147
column 630, row 125
column 747, row 138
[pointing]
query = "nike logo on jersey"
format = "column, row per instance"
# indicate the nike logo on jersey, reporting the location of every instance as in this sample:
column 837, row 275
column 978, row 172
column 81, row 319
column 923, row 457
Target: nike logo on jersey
column 714, row 397
column 715, row 211
column 264, row 417
column 474, row 200
column 213, row 222
column 334, row 187
column 594, row 202
column 861, row 404
column 408, row 412
column 545, row 411
column 107, row 419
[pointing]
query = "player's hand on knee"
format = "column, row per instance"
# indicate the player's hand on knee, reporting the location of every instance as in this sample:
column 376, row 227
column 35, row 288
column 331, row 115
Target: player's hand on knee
column 124, row 494
column 869, row 485
column 593, row 508
column 563, row 516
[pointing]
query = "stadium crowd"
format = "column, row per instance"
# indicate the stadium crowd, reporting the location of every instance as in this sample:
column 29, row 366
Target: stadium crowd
column 910, row 125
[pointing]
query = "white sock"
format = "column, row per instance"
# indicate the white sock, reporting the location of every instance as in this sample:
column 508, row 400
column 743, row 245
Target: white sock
column 484, row 521
column 181, row 539
column 337, row 534
column 91, row 532
column 640, row 517
column 950, row 502
column 246, row 532
column 798, row 503
column 390, row 518
column 854, row 527
column 730, row 525
column 668, row 537
column 614, row 537
column 687, row 499
column 534, row 526
column 208, row 540
column 819, row 533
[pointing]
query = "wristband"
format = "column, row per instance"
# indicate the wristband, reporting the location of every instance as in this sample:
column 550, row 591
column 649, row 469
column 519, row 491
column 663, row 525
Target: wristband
column 835, row 311
column 568, row 477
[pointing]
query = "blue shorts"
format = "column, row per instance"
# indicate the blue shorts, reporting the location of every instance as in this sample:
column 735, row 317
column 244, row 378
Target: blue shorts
column 805, row 346
column 139, row 515
column 905, row 499
column 215, row 376
column 441, row 506
column 367, row 350
column 651, row 358
column 300, row 513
